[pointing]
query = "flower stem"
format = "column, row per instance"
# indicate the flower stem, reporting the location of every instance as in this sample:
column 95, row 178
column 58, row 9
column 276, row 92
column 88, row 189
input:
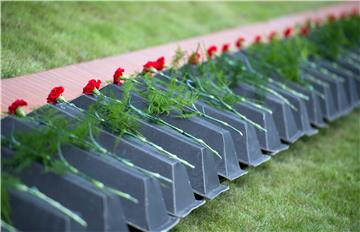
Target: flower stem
column 160, row 121
column 8, row 227
column 157, row 147
column 202, row 114
column 94, row 182
column 228, row 107
column 35, row 192
column 286, row 88
column 325, row 71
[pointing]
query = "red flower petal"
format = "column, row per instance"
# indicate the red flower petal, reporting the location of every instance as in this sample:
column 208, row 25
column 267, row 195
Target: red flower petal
column 354, row 12
column 160, row 63
column 304, row 31
column 317, row 21
column 287, row 32
column 225, row 48
column 257, row 39
column 211, row 51
column 272, row 35
column 91, row 85
column 194, row 58
column 239, row 42
column 118, row 73
column 54, row 94
column 17, row 103
column 331, row 17
column 148, row 66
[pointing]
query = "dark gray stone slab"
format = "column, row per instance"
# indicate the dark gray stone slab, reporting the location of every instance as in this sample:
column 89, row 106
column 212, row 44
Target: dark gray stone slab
column 283, row 116
column 337, row 89
column 247, row 145
column 355, row 69
column 327, row 103
column 28, row 213
column 301, row 115
column 352, row 83
column 316, row 116
column 270, row 140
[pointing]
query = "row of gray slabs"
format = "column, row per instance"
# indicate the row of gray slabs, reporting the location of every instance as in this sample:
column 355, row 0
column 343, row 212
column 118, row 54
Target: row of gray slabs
column 203, row 177
column 269, row 141
column 354, row 67
column 149, row 213
column 292, row 122
column 247, row 146
column 301, row 114
column 316, row 115
column 282, row 113
column 352, row 80
column 177, row 196
column 101, row 211
column 334, row 90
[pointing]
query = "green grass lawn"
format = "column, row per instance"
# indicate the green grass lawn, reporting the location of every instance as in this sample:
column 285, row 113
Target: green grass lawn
column 37, row 36
column 313, row 186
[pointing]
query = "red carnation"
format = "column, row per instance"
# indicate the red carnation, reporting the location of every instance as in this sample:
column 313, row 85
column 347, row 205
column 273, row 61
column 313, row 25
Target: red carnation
column 211, row 51
column 317, row 21
column 160, row 63
column 257, row 39
column 272, row 36
column 239, row 42
column 304, row 31
column 194, row 58
column 148, row 66
column 343, row 15
column 225, row 48
column 287, row 32
column 331, row 18
column 92, row 87
column 118, row 73
column 54, row 94
column 354, row 12
column 14, row 106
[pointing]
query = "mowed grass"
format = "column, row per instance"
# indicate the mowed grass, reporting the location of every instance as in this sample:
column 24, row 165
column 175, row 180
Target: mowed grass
column 313, row 186
column 37, row 36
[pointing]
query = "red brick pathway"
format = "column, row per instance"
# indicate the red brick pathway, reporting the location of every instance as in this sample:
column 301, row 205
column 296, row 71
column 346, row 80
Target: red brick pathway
column 34, row 88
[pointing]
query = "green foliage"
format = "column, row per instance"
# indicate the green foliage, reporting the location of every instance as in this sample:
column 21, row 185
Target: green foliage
column 7, row 182
column 282, row 57
column 174, row 96
column 328, row 39
column 116, row 114
column 38, row 145
column 351, row 29
column 331, row 38
column 215, row 78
